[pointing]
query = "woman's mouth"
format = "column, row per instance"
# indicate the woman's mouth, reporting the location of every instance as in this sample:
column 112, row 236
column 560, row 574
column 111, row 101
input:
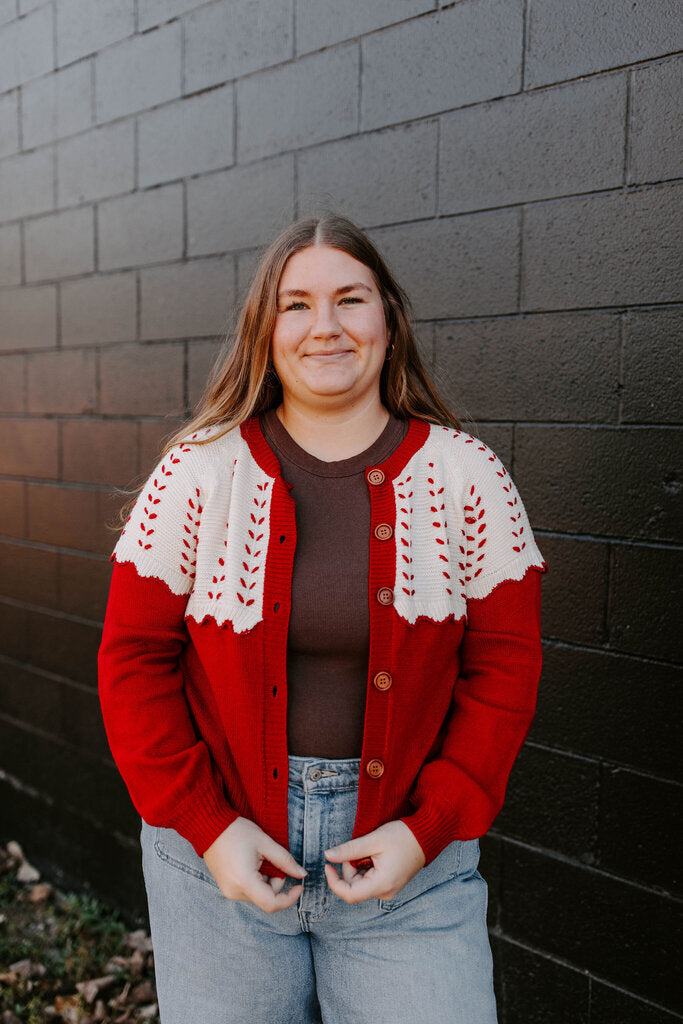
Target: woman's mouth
column 329, row 355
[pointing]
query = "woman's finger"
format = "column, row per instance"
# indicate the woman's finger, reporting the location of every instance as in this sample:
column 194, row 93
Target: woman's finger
column 280, row 857
column 264, row 897
column 348, row 871
column 359, row 888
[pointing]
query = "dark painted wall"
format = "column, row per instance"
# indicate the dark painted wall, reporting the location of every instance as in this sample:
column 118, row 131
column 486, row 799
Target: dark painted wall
column 517, row 162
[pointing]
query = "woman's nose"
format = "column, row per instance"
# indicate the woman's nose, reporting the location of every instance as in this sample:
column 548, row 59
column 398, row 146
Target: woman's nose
column 326, row 322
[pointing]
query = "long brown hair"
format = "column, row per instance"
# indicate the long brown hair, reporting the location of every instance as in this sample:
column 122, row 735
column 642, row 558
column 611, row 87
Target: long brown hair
column 241, row 383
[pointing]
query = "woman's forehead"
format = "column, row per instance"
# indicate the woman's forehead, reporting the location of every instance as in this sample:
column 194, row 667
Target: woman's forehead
column 324, row 265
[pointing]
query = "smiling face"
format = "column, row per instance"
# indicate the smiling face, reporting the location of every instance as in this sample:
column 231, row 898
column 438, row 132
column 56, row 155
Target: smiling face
column 330, row 336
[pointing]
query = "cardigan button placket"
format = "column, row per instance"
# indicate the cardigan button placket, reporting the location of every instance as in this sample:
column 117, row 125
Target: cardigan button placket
column 383, row 531
column 281, row 562
column 381, row 579
column 383, row 680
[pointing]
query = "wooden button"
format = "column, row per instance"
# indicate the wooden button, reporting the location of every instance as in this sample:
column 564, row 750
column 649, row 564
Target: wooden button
column 374, row 768
column 383, row 680
column 375, row 477
column 383, row 531
column 385, row 595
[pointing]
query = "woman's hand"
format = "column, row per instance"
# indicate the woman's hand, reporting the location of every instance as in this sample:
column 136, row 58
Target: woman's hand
column 234, row 859
column 396, row 856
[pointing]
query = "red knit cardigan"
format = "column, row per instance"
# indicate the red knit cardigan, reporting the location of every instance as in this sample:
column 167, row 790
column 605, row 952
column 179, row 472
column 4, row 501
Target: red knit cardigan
column 192, row 665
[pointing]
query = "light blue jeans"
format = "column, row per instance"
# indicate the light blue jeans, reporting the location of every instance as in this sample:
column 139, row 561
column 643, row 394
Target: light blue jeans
column 422, row 956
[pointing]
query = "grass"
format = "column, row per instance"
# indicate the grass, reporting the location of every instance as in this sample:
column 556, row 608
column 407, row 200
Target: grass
column 68, row 957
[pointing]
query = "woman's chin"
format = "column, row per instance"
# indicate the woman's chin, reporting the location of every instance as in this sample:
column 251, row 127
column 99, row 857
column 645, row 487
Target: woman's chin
column 327, row 383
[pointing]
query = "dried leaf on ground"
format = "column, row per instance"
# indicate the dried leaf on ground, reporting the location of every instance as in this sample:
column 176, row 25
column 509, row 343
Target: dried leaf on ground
column 28, row 968
column 139, row 940
column 40, row 892
column 91, row 989
column 71, row 1009
column 143, row 993
column 121, row 999
column 66, row 957
column 25, row 871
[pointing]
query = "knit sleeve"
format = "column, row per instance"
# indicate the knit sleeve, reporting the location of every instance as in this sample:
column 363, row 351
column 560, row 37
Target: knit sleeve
column 457, row 795
column 166, row 766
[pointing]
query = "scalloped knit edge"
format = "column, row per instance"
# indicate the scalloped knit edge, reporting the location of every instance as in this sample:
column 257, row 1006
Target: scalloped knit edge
column 542, row 568
column 148, row 575
column 199, row 621
column 463, row 618
column 227, row 621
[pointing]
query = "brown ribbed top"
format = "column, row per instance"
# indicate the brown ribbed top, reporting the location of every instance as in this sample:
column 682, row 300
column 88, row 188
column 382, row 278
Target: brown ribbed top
column 329, row 627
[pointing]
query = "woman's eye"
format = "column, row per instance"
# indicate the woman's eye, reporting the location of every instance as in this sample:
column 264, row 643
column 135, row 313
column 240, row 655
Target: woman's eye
column 347, row 298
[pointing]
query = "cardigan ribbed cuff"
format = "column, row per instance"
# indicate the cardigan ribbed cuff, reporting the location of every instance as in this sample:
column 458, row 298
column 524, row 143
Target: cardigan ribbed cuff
column 434, row 825
column 202, row 819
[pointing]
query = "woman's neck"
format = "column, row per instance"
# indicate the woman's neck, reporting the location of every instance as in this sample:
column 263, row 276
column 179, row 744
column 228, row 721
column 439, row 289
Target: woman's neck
column 336, row 435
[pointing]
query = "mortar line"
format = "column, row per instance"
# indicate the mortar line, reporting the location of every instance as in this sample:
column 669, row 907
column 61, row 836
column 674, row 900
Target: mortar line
column 235, row 121
column 360, row 86
column 525, row 43
column 93, row 88
column 620, row 371
column 294, row 14
column 138, row 306
column 437, row 168
column 563, row 858
column 520, row 266
column 627, row 128
column 183, row 69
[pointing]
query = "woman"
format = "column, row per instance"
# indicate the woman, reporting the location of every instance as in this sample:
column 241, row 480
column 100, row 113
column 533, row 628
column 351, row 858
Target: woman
column 321, row 653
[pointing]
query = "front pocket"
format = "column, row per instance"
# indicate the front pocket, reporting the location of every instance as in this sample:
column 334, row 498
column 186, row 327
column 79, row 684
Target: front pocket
column 458, row 858
column 170, row 847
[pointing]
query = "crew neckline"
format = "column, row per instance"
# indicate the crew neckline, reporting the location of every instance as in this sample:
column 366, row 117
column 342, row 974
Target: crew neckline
column 282, row 441
column 251, row 430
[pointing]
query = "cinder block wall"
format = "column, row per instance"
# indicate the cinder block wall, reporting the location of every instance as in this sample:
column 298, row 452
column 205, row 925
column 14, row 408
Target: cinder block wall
column 518, row 164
